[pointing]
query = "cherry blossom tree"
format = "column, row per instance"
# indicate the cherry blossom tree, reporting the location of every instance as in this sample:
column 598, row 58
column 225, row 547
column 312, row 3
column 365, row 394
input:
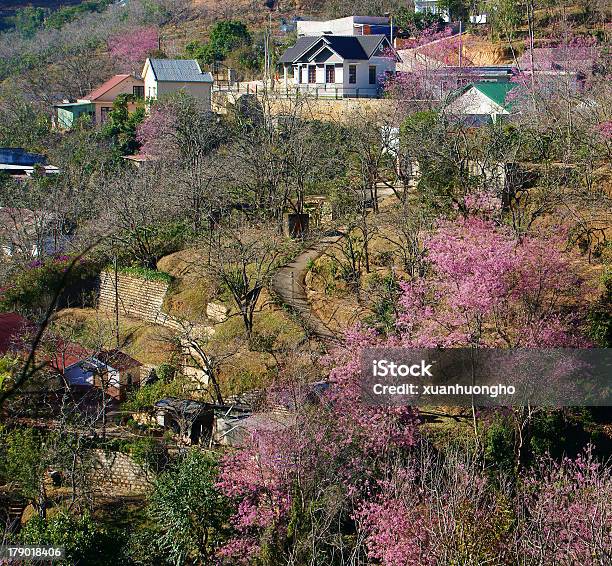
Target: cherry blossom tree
column 489, row 289
column 132, row 47
column 565, row 511
column 330, row 453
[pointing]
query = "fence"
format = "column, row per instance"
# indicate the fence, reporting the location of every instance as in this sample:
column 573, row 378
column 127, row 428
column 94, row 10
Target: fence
column 285, row 91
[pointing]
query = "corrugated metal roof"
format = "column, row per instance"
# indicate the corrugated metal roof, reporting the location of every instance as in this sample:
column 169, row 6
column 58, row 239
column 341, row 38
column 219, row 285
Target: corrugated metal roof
column 179, row 70
column 497, row 92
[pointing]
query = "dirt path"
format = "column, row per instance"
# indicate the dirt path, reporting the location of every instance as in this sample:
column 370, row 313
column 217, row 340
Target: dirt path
column 289, row 285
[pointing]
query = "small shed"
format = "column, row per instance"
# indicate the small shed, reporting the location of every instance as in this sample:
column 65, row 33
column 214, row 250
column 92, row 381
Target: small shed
column 191, row 420
column 113, row 370
column 166, row 76
column 69, row 112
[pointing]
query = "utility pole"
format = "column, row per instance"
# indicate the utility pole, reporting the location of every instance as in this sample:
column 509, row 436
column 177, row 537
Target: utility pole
column 269, row 50
column 460, row 43
column 116, row 270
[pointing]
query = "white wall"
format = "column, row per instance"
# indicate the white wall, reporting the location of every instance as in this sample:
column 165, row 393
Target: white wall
column 150, row 84
column 474, row 102
column 350, row 25
column 382, row 64
column 155, row 89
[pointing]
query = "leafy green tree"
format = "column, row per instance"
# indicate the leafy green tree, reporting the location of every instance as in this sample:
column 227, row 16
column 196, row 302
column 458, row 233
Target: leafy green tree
column 225, row 37
column 67, row 14
column 189, row 512
column 29, row 20
column 407, row 22
column 457, row 9
column 25, row 457
column 85, row 541
column 505, row 16
column 122, row 124
column 22, row 122
column 600, row 315
column 228, row 35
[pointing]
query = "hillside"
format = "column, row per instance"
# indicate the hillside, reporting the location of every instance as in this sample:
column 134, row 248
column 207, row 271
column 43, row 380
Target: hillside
column 8, row 7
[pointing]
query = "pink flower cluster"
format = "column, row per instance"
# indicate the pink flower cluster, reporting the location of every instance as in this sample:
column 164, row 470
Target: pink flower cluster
column 133, row 46
column 489, row 288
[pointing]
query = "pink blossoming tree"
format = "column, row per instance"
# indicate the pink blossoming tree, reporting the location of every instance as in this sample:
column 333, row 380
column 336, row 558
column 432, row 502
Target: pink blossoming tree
column 488, row 289
column 132, row 47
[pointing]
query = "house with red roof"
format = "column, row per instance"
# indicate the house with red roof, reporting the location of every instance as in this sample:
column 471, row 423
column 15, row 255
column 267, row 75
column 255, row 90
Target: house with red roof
column 112, row 370
column 83, row 369
column 99, row 102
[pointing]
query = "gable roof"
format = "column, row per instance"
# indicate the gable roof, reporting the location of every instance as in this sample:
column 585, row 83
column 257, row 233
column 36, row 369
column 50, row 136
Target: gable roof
column 117, row 359
column 178, row 70
column 105, row 87
column 302, row 45
column 497, row 92
column 66, row 354
column 354, row 47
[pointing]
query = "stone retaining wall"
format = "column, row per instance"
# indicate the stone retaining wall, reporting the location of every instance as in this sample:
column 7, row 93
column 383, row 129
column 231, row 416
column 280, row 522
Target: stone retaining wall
column 138, row 298
column 144, row 300
column 116, row 472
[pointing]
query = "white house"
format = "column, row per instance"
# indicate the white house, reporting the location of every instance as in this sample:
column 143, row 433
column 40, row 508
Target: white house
column 339, row 65
column 481, row 102
column 166, row 76
column 351, row 25
column 433, row 7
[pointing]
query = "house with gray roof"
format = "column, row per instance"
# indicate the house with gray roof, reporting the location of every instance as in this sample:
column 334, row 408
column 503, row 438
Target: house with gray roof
column 339, row 66
column 166, row 76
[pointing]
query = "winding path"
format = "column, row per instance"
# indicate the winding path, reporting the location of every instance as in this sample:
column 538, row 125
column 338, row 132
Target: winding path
column 289, row 284
column 290, row 287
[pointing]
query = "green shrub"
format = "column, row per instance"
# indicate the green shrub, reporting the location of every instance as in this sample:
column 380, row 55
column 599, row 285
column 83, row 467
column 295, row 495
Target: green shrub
column 33, row 288
column 600, row 315
column 144, row 398
column 84, row 541
column 499, row 445
column 147, row 453
column 147, row 274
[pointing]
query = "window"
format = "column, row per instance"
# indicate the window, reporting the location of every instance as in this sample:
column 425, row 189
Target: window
column 330, row 74
column 372, row 74
column 352, row 74
column 312, row 74
column 138, row 91
column 104, row 113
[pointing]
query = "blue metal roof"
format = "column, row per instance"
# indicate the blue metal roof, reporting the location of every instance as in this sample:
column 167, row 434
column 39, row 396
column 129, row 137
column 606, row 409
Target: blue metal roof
column 179, row 70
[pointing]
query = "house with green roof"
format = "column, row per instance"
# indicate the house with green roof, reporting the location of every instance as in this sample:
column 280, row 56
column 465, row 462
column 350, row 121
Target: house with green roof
column 481, row 102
